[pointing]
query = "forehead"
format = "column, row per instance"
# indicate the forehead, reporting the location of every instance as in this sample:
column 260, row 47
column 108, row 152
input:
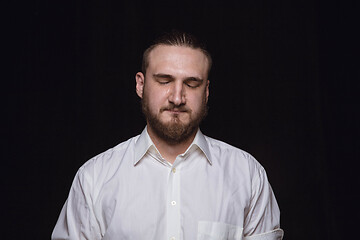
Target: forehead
column 164, row 57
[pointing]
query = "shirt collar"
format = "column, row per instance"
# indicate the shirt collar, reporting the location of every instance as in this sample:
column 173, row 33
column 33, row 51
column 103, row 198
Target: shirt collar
column 202, row 144
column 144, row 142
column 142, row 145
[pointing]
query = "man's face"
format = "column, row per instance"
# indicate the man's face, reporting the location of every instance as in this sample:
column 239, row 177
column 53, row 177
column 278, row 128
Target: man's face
column 174, row 92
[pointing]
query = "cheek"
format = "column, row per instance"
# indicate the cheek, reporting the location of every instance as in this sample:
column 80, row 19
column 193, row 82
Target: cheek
column 196, row 102
column 156, row 100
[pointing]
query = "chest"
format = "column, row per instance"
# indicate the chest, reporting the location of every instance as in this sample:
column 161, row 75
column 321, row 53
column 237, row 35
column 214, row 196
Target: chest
column 165, row 202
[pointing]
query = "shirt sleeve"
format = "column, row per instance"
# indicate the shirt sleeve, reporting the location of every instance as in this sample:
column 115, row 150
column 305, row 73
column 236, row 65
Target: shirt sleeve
column 262, row 220
column 77, row 219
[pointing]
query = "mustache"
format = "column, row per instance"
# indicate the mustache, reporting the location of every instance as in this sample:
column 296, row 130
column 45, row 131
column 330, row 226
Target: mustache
column 175, row 108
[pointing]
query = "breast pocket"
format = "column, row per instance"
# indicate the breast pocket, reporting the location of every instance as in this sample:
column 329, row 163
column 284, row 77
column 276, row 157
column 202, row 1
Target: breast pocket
column 218, row 231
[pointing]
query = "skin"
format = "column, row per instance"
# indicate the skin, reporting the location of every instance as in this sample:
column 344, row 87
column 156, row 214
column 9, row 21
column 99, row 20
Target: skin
column 176, row 90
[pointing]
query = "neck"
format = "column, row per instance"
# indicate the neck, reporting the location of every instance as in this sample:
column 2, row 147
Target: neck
column 169, row 151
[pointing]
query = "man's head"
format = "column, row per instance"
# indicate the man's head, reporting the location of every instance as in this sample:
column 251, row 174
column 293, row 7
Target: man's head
column 176, row 38
column 174, row 87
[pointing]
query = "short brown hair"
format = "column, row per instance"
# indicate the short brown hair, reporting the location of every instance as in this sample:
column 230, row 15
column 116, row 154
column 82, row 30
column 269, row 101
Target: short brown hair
column 176, row 38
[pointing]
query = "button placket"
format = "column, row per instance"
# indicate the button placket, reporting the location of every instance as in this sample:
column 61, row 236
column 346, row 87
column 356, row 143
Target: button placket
column 173, row 211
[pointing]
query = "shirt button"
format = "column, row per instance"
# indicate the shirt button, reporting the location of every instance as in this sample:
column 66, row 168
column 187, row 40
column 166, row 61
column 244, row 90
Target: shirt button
column 173, row 203
column 174, row 170
column 172, row 238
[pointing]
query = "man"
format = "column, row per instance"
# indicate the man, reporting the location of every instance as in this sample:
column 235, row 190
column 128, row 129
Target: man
column 171, row 181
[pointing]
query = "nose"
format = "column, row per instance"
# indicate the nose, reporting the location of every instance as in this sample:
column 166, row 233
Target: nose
column 177, row 95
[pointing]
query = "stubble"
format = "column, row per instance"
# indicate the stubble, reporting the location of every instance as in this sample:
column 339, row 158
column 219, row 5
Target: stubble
column 174, row 131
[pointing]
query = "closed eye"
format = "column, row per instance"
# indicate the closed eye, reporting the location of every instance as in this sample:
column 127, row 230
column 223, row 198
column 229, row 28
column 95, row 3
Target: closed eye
column 163, row 78
column 193, row 82
column 163, row 81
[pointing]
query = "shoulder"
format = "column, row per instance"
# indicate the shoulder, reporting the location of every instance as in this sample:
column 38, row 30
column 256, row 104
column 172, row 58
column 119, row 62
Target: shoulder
column 233, row 158
column 105, row 164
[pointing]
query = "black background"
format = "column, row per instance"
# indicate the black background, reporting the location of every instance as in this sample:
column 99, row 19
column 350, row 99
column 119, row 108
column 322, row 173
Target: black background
column 284, row 87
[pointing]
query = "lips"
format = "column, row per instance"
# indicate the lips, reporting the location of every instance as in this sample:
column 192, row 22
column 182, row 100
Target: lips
column 174, row 110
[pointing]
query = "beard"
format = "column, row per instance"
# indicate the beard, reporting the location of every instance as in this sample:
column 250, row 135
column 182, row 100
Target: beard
column 174, row 131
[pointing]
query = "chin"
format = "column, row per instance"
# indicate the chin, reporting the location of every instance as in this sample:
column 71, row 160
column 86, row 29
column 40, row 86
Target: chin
column 176, row 120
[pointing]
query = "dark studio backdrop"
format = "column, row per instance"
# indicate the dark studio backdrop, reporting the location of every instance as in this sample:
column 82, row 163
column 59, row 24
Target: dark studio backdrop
column 283, row 87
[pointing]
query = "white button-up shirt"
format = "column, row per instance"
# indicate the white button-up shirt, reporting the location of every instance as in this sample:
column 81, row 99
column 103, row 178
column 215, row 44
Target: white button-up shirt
column 212, row 191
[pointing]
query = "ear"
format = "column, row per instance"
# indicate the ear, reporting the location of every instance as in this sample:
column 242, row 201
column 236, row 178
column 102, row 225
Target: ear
column 207, row 90
column 140, row 80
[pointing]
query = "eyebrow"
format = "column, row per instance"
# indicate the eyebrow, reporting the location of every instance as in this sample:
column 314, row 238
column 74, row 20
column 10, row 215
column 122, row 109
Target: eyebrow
column 195, row 79
column 168, row 76
column 163, row 75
